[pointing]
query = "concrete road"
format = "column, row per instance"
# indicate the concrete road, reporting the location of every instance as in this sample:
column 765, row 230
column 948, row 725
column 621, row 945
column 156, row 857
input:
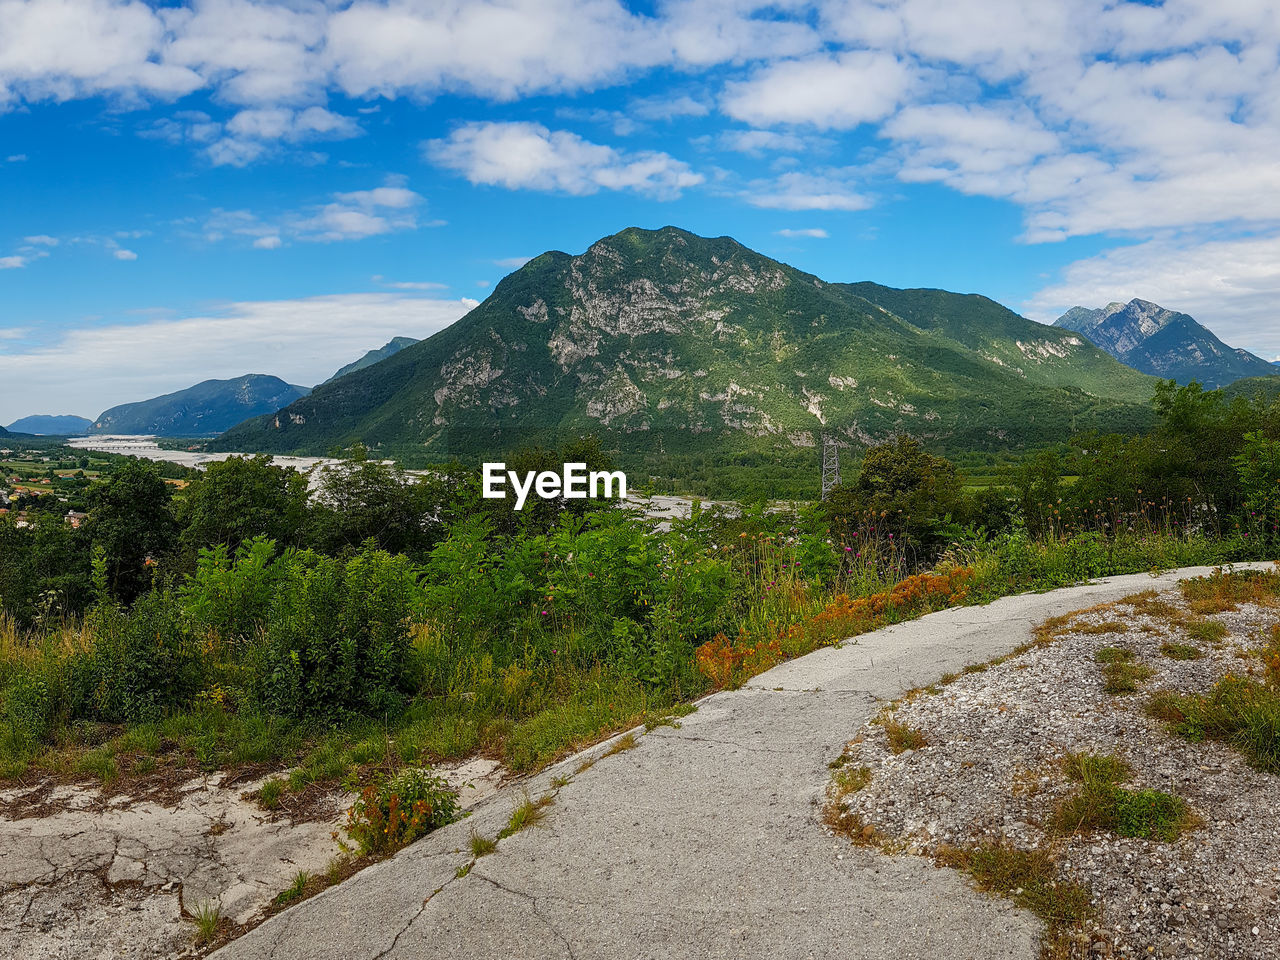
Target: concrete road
column 703, row 841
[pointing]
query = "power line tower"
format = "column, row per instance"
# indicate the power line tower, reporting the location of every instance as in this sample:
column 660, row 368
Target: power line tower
column 830, row 466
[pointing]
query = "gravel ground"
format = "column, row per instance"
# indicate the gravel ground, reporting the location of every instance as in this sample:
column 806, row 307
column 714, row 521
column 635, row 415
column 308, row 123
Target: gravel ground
column 992, row 772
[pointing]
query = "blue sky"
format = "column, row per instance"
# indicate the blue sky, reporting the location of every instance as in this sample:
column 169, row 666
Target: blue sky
column 203, row 189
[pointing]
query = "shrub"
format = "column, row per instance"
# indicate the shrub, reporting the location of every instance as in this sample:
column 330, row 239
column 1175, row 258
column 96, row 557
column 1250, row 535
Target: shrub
column 395, row 812
column 338, row 638
column 144, row 662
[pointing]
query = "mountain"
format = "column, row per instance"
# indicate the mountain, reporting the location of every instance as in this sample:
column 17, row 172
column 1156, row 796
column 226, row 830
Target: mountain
column 1164, row 343
column 206, row 409
column 51, row 426
column 392, row 347
column 661, row 341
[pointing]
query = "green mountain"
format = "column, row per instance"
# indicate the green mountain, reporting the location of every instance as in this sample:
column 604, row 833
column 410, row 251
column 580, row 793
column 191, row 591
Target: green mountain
column 206, row 409
column 51, row 426
column 1164, row 343
column 392, row 347
column 663, row 342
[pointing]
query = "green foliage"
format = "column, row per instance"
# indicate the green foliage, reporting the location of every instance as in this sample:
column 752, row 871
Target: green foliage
column 337, row 640
column 144, row 662
column 230, row 597
column 131, row 519
column 1258, row 468
column 902, row 493
column 244, row 497
column 399, row 809
column 44, row 569
column 1101, row 804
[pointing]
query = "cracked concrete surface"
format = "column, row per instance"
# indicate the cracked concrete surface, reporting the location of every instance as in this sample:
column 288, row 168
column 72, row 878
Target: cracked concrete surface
column 705, row 841
column 110, row 877
column 101, row 878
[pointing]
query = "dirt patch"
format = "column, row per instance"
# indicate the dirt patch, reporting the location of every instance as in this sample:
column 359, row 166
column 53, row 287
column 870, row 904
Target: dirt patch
column 996, row 772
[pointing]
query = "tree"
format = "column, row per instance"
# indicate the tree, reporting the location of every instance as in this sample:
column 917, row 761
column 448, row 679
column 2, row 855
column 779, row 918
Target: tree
column 131, row 519
column 362, row 499
column 902, row 491
column 244, row 497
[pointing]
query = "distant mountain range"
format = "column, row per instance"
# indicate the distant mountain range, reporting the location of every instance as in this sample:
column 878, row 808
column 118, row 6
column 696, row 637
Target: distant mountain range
column 663, row 341
column 1164, row 343
column 392, row 347
column 206, row 409
column 51, row 426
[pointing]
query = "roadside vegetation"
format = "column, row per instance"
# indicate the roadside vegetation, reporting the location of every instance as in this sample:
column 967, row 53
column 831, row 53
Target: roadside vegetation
column 358, row 633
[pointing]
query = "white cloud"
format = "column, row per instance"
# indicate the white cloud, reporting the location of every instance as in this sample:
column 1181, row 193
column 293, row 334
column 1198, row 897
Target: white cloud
column 523, row 155
column 12, row 263
column 830, row 92
column 41, row 240
column 352, row 215
column 15, row 158
column 63, row 49
column 816, row 233
column 806, row 191
column 758, row 141
column 663, row 108
column 1228, row 285
column 252, row 133
column 512, row 263
column 412, row 284
column 301, row 341
column 123, row 254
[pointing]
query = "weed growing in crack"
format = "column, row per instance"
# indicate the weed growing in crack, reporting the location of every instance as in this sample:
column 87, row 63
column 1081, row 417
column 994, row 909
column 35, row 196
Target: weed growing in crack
column 1241, row 712
column 482, row 846
column 208, row 917
column 1206, row 631
column 1030, row 879
column 1120, row 672
column 270, row 794
column 625, row 742
column 295, row 889
column 528, row 813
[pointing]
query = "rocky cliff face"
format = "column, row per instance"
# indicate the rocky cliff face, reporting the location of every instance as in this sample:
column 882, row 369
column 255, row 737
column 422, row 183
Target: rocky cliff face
column 1164, row 343
column 662, row 340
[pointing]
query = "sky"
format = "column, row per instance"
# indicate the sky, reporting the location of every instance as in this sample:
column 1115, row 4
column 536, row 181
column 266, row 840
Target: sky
column 206, row 188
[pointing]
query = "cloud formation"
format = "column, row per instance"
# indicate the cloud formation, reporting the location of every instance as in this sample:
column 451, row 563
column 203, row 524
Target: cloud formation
column 523, row 155
column 352, row 215
column 1228, row 285
column 301, row 341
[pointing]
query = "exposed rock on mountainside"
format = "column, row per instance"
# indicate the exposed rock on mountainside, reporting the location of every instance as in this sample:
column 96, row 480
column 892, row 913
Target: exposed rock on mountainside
column 659, row 340
column 206, row 409
column 1164, row 343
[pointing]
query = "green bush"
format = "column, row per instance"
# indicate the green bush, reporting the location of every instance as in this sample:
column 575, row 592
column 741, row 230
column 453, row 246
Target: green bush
column 144, row 662
column 396, row 811
column 337, row 640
